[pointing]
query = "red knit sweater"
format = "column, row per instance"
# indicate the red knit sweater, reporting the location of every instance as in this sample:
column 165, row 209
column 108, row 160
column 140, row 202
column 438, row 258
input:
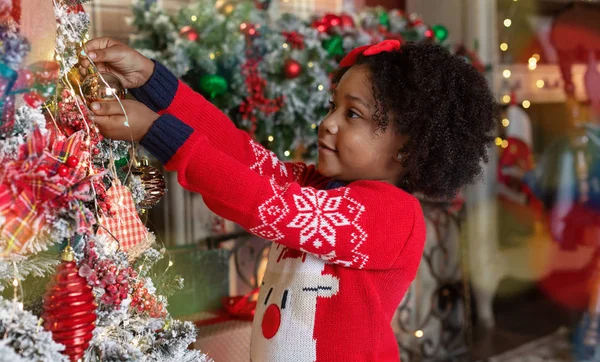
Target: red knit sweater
column 342, row 258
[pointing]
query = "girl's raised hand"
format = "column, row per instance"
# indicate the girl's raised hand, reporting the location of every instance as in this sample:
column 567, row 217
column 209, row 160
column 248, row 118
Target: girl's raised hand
column 110, row 119
column 111, row 56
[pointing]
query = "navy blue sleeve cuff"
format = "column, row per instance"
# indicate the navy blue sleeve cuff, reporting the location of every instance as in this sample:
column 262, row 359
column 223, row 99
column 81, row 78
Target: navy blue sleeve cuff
column 165, row 137
column 158, row 93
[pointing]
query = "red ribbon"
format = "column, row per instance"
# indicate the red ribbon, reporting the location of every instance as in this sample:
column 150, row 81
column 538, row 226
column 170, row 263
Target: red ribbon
column 234, row 308
column 388, row 45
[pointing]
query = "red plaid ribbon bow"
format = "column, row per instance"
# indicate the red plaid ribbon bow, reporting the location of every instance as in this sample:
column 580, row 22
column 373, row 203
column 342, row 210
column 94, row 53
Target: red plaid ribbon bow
column 31, row 188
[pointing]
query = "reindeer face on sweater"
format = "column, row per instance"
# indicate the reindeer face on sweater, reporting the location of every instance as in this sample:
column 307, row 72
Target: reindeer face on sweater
column 284, row 321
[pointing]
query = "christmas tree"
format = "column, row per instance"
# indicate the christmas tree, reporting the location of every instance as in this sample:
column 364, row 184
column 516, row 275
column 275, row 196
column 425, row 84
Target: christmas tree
column 270, row 76
column 64, row 190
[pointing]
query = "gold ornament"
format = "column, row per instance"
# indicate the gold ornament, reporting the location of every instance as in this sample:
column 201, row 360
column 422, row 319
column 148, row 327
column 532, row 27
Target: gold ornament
column 74, row 78
column 94, row 88
column 153, row 181
column 225, row 7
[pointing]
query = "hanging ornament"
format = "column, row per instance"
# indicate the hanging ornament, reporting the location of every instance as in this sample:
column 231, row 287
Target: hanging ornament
column 384, row 19
column 334, row 45
column 69, row 308
column 74, row 78
column 248, row 29
column 125, row 224
column 346, row 21
column 94, row 88
column 213, row 85
column 153, row 182
column 189, row 33
column 332, row 20
column 226, row 8
column 292, row 69
column 320, row 25
column 429, row 34
column 440, row 32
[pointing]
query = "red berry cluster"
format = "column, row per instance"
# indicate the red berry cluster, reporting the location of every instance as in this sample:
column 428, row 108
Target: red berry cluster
column 74, row 116
column 101, row 197
column 63, row 170
column 144, row 302
column 105, row 274
column 295, row 39
column 69, row 114
column 256, row 99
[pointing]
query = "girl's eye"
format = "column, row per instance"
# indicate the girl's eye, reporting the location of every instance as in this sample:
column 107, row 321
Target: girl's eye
column 352, row 114
column 331, row 106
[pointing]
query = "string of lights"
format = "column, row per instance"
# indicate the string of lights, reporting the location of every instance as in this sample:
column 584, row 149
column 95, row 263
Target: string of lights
column 509, row 96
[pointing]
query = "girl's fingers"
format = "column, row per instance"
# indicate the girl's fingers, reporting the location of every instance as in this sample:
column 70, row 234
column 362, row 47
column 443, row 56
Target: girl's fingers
column 84, row 69
column 99, row 43
column 100, row 121
column 107, row 108
column 107, row 55
column 111, row 126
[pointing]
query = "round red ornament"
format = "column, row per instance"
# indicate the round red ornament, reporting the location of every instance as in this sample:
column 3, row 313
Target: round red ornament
column 332, row 20
column 63, row 170
column 321, row 26
column 189, row 33
column 346, row 21
column 248, row 29
column 292, row 69
column 69, row 308
column 72, row 161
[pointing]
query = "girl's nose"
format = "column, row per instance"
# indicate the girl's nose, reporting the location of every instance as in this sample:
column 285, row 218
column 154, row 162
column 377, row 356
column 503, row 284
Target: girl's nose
column 330, row 125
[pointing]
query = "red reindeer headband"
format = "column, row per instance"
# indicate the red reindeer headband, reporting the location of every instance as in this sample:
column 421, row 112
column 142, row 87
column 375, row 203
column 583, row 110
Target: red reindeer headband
column 384, row 46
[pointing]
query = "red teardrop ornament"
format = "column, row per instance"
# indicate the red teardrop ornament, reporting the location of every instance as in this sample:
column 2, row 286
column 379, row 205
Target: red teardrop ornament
column 70, row 310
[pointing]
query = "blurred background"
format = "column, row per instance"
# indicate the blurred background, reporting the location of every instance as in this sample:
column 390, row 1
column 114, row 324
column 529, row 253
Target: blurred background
column 511, row 269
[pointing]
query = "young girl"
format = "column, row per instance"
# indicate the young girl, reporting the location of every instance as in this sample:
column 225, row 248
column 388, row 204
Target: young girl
column 348, row 234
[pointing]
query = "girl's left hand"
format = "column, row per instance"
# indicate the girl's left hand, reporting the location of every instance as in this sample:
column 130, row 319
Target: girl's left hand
column 110, row 119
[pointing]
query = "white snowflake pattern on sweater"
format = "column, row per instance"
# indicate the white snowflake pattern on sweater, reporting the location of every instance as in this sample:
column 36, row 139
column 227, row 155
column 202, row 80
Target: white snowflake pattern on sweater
column 318, row 215
column 265, row 157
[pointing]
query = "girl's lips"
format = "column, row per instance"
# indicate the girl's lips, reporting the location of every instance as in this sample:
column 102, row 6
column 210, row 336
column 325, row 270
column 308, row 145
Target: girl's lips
column 323, row 146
